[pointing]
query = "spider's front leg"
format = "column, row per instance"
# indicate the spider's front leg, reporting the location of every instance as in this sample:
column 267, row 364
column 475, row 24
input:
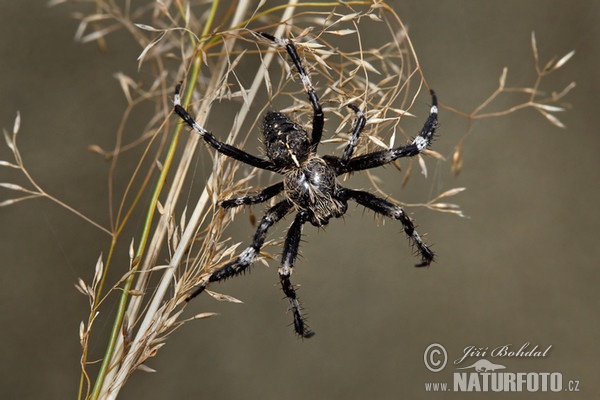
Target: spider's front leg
column 209, row 138
column 379, row 158
column 318, row 116
column 384, row 207
column 245, row 260
column 290, row 252
column 361, row 120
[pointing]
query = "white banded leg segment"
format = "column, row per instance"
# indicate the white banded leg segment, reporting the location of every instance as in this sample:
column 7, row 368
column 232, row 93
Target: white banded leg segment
column 242, row 262
column 426, row 134
column 318, row 116
column 209, row 138
column 290, row 252
column 361, row 121
column 383, row 157
column 184, row 115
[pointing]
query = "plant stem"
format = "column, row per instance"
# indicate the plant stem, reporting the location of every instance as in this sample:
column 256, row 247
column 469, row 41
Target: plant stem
column 116, row 329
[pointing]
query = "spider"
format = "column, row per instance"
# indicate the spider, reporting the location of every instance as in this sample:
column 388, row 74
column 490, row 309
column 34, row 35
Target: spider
column 310, row 188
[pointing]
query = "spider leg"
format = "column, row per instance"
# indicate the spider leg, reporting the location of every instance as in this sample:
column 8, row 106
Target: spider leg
column 259, row 197
column 247, row 257
column 318, row 117
column 379, row 158
column 209, row 138
column 290, row 251
column 384, row 207
column 361, row 120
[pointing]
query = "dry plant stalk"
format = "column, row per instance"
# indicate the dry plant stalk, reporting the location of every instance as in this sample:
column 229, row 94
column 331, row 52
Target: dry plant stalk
column 208, row 45
column 534, row 98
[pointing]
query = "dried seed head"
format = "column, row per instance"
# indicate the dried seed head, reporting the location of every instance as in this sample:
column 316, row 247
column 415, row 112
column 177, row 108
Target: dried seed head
column 457, row 160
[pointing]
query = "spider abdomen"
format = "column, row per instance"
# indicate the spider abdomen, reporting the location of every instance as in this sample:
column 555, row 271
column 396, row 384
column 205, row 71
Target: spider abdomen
column 313, row 188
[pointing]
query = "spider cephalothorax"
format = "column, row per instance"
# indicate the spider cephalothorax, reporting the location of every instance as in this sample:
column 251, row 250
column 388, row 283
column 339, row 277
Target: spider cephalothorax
column 309, row 186
column 312, row 188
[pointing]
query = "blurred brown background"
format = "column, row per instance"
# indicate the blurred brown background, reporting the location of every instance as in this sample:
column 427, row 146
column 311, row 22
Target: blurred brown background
column 523, row 268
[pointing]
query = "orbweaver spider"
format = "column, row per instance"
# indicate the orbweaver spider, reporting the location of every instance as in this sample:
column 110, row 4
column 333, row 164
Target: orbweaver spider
column 309, row 185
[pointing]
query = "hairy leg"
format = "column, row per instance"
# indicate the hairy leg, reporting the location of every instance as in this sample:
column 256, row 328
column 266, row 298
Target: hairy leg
column 259, row 197
column 318, row 117
column 384, row 207
column 247, row 257
column 221, row 147
column 290, row 252
column 361, row 120
column 379, row 158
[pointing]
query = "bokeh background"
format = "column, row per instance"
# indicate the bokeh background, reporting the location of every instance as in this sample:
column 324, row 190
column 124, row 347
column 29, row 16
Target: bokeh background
column 524, row 267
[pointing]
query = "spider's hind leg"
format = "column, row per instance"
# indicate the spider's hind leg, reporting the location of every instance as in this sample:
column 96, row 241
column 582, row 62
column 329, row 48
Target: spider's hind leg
column 247, row 257
column 257, row 198
column 384, row 207
column 290, row 252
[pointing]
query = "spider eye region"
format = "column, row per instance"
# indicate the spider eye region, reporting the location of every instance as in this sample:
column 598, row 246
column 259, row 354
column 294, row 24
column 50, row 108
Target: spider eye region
column 286, row 142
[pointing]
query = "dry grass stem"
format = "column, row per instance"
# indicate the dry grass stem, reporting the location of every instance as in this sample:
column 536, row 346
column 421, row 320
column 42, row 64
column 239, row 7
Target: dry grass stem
column 534, row 99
